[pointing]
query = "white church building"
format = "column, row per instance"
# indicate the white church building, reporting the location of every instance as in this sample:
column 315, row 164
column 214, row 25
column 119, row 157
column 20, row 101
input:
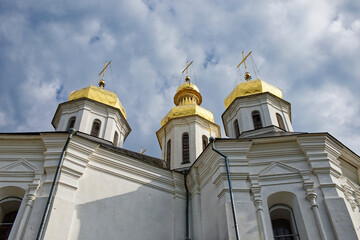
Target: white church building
column 262, row 181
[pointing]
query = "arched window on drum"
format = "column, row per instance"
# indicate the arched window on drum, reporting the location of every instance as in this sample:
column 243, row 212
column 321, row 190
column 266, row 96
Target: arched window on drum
column 185, row 148
column 95, row 129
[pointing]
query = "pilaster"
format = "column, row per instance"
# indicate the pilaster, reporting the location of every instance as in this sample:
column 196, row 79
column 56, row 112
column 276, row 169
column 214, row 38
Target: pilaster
column 322, row 155
column 75, row 161
column 258, row 203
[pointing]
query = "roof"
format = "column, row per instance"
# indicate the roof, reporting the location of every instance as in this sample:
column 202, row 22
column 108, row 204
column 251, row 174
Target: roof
column 100, row 95
column 250, row 88
column 187, row 110
column 103, row 143
column 139, row 156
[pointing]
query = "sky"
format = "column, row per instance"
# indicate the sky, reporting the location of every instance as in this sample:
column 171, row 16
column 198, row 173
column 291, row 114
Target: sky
column 309, row 49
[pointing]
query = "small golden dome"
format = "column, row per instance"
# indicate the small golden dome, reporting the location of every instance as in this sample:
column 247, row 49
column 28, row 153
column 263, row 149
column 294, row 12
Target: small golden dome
column 100, row 95
column 187, row 100
column 249, row 88
column 187, row 92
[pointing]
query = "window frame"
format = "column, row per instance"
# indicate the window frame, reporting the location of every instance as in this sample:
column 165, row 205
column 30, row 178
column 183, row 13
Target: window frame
column 93, row 131
column 116, row 138
column 15, row 204
column 185, row 148
column 257, row 124
column 168, row 152
column 280, row 121
column 236, row 128
column 71, row 123
column 292, row 222
column 205, row 141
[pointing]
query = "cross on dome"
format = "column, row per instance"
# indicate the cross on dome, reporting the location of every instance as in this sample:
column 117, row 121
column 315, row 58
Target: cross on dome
column 102, row 81
column 187, row 78
column 247, row 74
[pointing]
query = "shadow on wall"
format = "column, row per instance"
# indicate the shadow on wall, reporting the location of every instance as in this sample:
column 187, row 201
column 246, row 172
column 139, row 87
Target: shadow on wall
column 145, row 213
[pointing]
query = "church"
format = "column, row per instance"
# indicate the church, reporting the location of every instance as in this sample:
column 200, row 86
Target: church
column 262, row 181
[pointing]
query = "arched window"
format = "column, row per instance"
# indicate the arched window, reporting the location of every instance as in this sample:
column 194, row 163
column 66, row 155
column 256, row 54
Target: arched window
column 9, row 207
column 116, row 139
column 283, row 223
column 280, row 121
column 256, row 119
column 236, row 128
column 95, row 130
column 204, row 141
column 168, row 153
column 185, row 148
column 71, row 123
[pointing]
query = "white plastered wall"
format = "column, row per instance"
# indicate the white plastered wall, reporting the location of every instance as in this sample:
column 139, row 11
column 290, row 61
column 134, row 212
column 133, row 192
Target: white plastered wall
column 103, row 194
column 196, row 127
column 263, row 168
column 86, row 112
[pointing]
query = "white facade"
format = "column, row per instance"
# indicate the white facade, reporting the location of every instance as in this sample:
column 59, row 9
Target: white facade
column 101, row 193
column 303, row 172
column 309, row 181
column 197, row 128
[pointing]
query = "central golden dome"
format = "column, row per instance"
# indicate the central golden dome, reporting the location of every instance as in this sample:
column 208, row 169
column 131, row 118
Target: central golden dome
column 187, row 93
column 249, row 88
column 99, row 95
column 187, row 100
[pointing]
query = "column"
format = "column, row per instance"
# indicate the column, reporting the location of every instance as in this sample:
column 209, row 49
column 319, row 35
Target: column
column 311, row 197
column 30, row 199
column 256, row 189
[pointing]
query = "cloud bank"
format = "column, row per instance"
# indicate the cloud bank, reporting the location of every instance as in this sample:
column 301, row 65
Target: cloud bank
column 308, row 49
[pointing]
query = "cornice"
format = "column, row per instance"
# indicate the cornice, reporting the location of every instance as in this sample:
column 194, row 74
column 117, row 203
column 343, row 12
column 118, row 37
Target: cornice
column 134, row 170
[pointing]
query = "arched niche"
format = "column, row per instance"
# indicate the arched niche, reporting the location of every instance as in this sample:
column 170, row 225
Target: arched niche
column 10, row 201
column 285, row 205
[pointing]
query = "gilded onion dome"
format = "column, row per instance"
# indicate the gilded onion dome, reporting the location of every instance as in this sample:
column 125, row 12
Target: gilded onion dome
column 98, row 94
column 187, row 100
column 249, row 88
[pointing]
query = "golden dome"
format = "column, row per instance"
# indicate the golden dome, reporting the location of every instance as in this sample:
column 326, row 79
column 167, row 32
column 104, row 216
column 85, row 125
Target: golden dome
column 187, row 100
column 187, row 110
column 250, row 88
column 100, row 95
column 187, row 92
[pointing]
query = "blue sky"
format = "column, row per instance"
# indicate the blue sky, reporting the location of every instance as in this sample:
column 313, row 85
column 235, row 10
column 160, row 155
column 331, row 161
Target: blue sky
column 309, row 49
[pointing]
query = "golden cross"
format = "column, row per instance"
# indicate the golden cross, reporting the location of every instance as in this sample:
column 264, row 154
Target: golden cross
column 247, row 74
column 243, row 61
column 102, row 82
column 187, row 67
column 103, row 71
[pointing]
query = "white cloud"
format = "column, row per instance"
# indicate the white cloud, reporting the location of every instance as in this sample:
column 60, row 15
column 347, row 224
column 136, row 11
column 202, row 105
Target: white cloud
column 330, row 108
column 303, row 47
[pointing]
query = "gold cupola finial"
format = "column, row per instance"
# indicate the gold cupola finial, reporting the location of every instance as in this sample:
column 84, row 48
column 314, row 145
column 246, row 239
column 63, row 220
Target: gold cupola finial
column 187, row 101
column 187, row 78
column 102, row 81
column 247, row 74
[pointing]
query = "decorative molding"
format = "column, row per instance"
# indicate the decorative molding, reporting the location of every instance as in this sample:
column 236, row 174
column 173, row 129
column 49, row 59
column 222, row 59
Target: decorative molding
column 351, row 192
column 21, row 165
column 278, row 168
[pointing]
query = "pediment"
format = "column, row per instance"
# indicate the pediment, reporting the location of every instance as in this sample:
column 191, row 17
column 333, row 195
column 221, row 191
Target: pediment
column 277, row 168
column 20, row 165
